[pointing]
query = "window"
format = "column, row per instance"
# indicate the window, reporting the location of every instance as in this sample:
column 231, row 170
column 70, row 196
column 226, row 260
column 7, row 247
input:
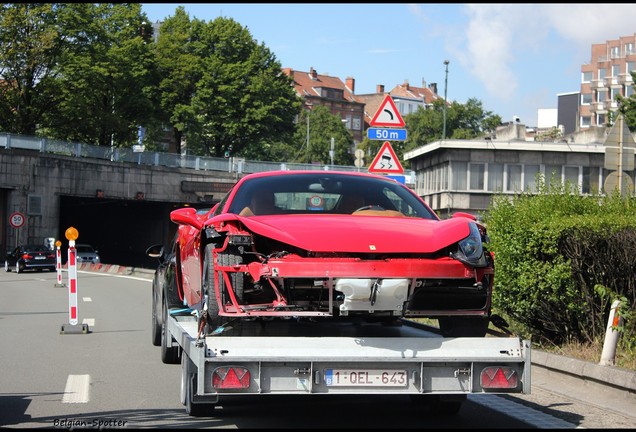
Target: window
column 551, row 172
column 601, row 95
column 357, row 123
column 616, row 70
column 601, row 73
column 459, row 173
column 530, row 176
column 586, row 98
column 590, row 180
column 586, row 120
column 629, row 48
column 629, row 90
column 495, row 177
column 587, row 77
column 630, row 66
column 600, row 119
column 614, row 52
column 571, row 175
column 513, row 178
column 476, row 173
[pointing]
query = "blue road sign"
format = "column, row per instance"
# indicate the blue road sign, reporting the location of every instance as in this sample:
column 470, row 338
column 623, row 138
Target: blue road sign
column 386, row 134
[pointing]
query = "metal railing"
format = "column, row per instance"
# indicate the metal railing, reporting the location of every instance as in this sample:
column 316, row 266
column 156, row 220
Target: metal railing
column 129, row 155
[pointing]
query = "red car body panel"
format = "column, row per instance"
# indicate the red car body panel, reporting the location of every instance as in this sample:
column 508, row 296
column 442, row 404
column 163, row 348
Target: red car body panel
column 416, row 259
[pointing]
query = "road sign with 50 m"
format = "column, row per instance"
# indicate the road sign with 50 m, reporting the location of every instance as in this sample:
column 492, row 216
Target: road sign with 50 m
column 386, row 134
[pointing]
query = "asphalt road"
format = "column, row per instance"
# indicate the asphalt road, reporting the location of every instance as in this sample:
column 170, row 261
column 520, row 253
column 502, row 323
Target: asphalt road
column 113, row 377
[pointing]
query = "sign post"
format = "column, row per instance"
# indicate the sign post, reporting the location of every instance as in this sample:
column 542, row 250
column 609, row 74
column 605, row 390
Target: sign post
column 72, row 327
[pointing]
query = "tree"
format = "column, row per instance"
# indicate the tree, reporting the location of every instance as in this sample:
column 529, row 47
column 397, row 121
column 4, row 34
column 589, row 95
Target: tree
column 463, row 121
column 321, row 125
column 221, row 88
column 104, row 90
column 30, row 47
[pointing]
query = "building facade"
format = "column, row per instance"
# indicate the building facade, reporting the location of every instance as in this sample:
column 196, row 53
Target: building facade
column 606, row 76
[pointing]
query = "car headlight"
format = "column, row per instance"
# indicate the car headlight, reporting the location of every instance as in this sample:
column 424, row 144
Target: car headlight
column 471, row 250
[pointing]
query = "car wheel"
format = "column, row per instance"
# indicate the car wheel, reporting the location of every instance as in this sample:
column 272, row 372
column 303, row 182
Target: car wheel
column 207, row 286
column 463, row 326
column 189, row 389
column 18, row 269
column 169, row 353
column 156, row 324
column 6, row 266
column 231, row 257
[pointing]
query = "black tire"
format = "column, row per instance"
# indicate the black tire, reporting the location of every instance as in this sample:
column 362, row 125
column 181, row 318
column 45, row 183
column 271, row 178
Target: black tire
column 207, row 285
column 155, row 328
column 18, row 269
column 169, row 353
column 230, row 257
column 463, row 326
column 189, row 389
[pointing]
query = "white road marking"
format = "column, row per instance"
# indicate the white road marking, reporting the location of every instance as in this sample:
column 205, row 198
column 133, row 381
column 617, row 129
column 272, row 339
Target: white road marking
column 87, row 299
column 76, row 390
column 89, row 322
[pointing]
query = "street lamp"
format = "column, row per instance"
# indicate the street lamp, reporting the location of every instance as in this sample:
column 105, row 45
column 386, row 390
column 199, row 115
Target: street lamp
column 445, row 88
column 308, row 105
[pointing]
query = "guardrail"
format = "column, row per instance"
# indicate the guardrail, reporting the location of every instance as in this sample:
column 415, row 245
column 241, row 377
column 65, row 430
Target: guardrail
column 129, row 155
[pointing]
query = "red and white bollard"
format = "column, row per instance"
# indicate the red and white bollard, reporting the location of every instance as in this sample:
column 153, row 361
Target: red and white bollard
column 73, row 327
column 58, row 265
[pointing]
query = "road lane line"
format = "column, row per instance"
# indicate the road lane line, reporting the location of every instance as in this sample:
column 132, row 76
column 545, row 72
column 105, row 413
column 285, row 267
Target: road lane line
column 89, row 322
column 76, row 390
column 87, row 299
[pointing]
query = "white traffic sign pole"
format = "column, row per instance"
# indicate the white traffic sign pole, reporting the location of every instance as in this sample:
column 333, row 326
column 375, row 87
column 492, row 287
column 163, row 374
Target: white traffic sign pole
column 58, row 265
column 72, row 284
column 73, row 327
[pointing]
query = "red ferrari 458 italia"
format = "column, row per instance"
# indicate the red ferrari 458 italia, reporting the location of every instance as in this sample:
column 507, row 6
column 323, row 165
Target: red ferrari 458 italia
column 332, row 245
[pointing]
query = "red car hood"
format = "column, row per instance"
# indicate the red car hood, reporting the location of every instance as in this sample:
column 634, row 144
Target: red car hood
column 360, row 234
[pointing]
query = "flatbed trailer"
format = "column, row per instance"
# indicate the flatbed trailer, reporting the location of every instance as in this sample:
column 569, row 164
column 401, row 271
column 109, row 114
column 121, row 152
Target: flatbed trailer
column 344, row 357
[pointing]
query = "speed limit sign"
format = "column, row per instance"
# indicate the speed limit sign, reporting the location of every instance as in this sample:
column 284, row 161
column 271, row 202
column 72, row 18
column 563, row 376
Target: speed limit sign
column 16, row 219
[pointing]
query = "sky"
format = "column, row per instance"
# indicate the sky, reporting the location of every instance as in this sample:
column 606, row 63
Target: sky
column 514, row 58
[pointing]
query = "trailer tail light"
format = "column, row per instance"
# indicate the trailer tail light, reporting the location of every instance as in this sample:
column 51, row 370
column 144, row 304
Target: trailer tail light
column 230, row 377
column 499, row 377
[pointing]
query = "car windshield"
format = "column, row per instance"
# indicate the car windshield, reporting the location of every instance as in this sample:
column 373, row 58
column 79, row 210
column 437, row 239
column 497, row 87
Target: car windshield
column 325, row 193
column 84, row 248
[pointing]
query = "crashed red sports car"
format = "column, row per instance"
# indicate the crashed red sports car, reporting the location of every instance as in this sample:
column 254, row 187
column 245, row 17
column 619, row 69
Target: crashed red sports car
column 332, row 245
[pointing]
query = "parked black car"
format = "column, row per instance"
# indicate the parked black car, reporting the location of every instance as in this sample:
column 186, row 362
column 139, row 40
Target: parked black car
column 30, row 257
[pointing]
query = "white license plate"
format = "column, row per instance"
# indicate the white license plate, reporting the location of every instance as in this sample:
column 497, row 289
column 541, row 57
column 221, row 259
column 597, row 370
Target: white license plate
column 39, row 257
column 365, row 378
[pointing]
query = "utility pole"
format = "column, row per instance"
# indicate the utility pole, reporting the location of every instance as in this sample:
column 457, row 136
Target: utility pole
column 445, row 88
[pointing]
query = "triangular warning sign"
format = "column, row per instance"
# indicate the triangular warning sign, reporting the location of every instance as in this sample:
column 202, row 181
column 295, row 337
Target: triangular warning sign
column 386, row 161
column 387, row 115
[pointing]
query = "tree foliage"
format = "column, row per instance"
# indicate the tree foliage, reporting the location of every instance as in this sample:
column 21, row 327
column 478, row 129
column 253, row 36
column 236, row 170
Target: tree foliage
column 562, row 258
column 463, row 121
column 30, row 49
column 231, row 91
column 320, row 125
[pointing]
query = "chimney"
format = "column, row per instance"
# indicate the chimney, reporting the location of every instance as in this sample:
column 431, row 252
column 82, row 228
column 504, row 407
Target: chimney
column 433, row 87
column 423, row 83
column 379, row 88
column 351, row 84
column 406, row 84
column 313, row 73
column 289, row 72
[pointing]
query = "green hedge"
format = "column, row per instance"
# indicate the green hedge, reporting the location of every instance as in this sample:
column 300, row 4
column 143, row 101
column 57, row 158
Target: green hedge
column 561, row 260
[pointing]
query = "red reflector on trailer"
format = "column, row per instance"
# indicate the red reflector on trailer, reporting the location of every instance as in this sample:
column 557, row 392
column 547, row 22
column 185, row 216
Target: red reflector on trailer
column 499, row 377
column 231, row 377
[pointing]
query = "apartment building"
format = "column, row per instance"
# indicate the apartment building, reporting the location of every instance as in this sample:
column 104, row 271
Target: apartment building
column 606, row 76
column 321, row 89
